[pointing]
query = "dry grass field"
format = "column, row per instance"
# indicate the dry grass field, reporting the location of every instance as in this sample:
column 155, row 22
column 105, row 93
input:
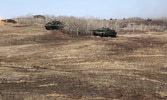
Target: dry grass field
column 36, row 64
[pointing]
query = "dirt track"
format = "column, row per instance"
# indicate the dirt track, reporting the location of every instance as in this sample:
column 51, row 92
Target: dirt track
column 43, row 65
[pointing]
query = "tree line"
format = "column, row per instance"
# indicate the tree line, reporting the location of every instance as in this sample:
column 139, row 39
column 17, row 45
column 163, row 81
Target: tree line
column 84, row 25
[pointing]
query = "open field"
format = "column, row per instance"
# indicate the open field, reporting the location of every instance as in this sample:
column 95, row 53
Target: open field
column 36, row 64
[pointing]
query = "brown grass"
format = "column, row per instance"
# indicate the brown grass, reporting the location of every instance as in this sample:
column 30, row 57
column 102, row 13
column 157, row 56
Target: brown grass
column 44, row 65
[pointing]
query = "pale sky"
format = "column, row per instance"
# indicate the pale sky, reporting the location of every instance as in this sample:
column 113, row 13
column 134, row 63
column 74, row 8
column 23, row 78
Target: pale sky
column 85, row 8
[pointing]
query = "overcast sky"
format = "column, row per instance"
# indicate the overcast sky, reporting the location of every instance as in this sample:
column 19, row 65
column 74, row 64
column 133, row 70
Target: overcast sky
column 85, row 8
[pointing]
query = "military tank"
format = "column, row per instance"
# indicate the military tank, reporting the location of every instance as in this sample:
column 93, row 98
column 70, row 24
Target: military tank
column 9, row 21
column 54, row 25
column 104, row 32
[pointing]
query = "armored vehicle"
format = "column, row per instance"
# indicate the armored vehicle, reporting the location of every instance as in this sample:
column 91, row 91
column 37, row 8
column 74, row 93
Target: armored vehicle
column 54, row 25
column 104, row 32
column 9, row 21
